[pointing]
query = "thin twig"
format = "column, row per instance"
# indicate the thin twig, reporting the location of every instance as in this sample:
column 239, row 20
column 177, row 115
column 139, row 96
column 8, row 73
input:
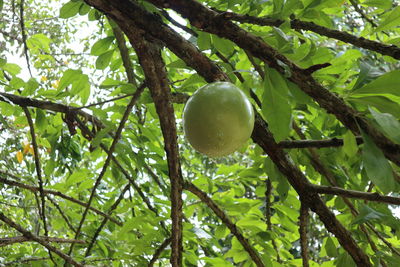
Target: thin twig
column 26, row 260
column 103, row 223
column 320, row 189
column 62, row 213
column 56, row 193
column 362, row 14
column 333, row 142
column 5, row 241
column 37, row 239
column 108, row 160
column 127, row 175
column 24, row 37
column 126, row 60
column 42, row 210
column 268, row 215
column 224, row 218
column 158, row 251
column 325, row 172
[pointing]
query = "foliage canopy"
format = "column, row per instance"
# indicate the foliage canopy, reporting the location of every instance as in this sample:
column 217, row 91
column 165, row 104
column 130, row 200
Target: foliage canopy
column 95, row 169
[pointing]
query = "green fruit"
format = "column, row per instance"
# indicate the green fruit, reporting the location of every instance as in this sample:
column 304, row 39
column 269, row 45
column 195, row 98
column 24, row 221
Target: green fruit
column 218, row 119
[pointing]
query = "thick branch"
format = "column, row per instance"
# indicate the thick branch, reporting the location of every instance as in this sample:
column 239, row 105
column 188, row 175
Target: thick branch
column 330, row 177
column 210, row 21
column 127, row 13
column 124, row 12
column 262, row 136
column 224, row 218
column 150, row 59
column 37, row 239
column 47, row 105
column 384, row 49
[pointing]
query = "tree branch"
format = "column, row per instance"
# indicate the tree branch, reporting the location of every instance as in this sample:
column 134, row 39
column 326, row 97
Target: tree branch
column 362, row 14
column 26, row 260
column 42, row 211
column 158, row 251
column 23, row 32
column 320, row 168
column 384, row 49
column 55, row 193
column 5, row 241
column 210, row 21
column 263, row 137
column 37, row 239
column 332, row 190
column 123, row 12
column 333, row 142
column 150, row 59
column 303, row 223
column 104, row 221
column 268, row 194
column 108, row 160
column 224, row 218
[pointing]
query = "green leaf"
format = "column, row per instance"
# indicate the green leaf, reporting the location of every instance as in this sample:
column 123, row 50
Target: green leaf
column 224, row 46
column 104, row 60
column 12, row 68
column 252, row 223
column 1, row 5
column 80, row 83
column 385, row 84
column 68, row 78
column 275, row 104
column 40, row 41
column 367, row 74
column 330, row 248
column 345, row 260
column 275, row 175
column 350, row 146
column 30, row 87
column 41, row 121
column 84, row 9
column 70, row 9
column 382, row 103
column 384, row 4
column 368, row 214
column 389, row 124
column 377, row 166
column 392, row 19
column 204, row 41
column 101, row 46
column 289, row 7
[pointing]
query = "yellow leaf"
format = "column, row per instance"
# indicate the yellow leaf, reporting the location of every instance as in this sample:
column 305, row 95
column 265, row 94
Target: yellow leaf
column 43, row 78
column 26, row 147
column 20, row 156
column 55, row 84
